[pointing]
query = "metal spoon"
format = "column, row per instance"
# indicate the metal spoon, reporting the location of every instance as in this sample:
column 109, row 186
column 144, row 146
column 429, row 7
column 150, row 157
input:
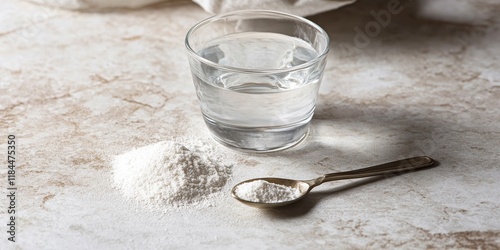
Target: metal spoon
column 395, row 167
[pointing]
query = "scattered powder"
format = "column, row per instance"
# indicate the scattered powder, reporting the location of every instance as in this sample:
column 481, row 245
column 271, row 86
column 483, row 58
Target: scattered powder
column 170, row 174
column 266, row 192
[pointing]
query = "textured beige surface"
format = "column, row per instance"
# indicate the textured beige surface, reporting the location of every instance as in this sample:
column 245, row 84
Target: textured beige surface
column 78, row 88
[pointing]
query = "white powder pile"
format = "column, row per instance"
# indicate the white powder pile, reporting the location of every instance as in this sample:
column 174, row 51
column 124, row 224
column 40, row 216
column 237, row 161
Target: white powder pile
column 266, row 192
column 170, row 174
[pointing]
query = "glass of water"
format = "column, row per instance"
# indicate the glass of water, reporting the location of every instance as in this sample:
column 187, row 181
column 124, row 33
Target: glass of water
column 257, row 75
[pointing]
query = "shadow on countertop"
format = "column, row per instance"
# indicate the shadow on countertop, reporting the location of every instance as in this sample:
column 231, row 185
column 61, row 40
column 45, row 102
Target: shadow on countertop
column 374, row 25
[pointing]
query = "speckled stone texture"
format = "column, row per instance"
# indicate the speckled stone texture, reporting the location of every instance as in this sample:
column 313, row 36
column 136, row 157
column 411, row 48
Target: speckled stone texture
column 79, row 87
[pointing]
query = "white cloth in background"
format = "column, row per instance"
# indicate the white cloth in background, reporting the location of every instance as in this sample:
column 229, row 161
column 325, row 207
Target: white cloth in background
column 297, row 7
column 100, row 4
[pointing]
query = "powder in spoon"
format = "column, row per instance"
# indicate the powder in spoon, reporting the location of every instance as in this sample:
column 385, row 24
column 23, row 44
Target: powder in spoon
column 266, row 192
column 171, row 174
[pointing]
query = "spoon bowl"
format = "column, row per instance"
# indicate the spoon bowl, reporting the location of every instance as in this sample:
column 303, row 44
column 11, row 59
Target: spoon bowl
column 303, row 186
column 395, row 167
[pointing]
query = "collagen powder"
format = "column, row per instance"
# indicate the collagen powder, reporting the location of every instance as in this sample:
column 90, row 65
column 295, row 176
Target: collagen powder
column 170, row 174
column 266, row 192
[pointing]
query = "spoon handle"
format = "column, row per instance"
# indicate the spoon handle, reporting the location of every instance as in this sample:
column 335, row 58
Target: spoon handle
column 395, row 167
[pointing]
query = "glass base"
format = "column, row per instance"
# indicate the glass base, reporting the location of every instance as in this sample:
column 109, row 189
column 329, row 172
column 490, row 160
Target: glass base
column 258, row 139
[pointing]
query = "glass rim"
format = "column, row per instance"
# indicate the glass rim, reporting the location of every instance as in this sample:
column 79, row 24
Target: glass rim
column 208, row 20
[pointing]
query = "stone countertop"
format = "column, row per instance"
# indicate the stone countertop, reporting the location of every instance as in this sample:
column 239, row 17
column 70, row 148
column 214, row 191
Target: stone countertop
column 80, row 87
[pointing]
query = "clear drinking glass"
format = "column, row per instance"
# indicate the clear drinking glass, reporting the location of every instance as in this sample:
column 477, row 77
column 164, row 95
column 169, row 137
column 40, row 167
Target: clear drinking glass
column 257, row 75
